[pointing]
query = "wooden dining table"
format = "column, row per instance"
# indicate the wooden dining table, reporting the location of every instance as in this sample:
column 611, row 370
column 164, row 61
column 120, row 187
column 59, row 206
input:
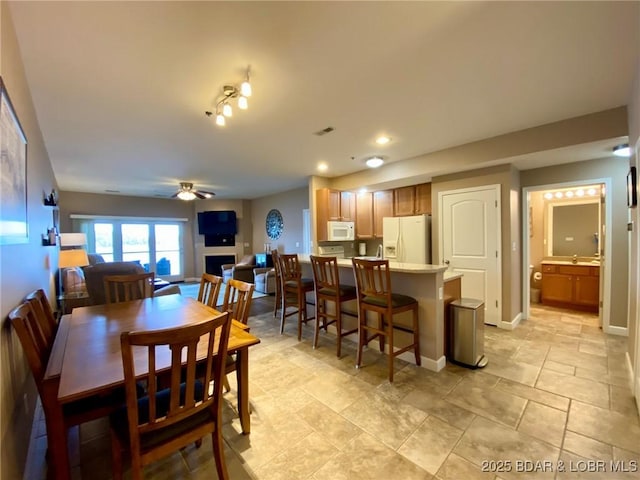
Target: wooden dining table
column 86, row 358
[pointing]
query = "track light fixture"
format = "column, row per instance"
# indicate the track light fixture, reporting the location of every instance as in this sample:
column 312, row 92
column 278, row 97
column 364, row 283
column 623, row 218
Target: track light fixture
column 224, row 108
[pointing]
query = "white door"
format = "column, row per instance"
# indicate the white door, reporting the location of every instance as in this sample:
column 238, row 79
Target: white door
column 470, row 244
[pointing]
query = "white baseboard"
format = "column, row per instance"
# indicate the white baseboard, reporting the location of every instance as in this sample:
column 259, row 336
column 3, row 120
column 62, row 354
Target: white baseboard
column 512, row 324
column 428, row 363
column 613, row 330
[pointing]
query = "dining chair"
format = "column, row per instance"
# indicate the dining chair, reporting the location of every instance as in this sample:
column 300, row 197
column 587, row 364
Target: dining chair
column 166, row 420
column 278, row 296
column 328, row 289
column 124, row 288
column 44, row 313
column 237, row 302
column 209, row 289
column 373, row 286
column 28, row 329
column 294, row 289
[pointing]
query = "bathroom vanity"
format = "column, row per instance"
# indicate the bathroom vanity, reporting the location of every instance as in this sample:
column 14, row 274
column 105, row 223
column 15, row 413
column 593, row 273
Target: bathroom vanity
column 571, row 284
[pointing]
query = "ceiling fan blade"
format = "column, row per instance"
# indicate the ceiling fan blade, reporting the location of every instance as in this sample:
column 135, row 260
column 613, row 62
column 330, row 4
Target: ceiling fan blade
column 175, row 195
column 205, row 193
column 198, row 194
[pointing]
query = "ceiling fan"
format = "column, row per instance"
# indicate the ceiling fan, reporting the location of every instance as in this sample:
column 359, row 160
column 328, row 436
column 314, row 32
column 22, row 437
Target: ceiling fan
column 187, row 192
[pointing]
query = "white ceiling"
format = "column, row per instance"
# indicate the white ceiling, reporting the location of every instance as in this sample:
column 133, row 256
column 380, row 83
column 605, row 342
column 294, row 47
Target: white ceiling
column 120, row 88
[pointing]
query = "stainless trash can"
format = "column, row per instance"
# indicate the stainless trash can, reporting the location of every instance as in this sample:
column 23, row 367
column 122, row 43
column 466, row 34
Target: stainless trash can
column 466, row 334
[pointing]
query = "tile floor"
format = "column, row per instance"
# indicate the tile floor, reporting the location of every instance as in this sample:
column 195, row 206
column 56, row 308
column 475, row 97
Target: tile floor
column 554, row 395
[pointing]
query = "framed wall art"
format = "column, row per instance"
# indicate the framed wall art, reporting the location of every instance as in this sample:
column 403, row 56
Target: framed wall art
column 13, row 174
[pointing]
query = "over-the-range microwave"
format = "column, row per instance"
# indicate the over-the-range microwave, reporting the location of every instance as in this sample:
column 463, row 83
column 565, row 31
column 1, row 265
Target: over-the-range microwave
column 341, row 231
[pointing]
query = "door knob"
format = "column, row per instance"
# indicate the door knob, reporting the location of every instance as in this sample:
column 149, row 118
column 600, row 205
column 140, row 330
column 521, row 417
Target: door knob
column 446, row 262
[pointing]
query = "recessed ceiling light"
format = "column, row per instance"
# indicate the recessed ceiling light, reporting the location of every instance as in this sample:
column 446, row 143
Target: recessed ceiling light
column 622, row 150
column 382, row 140
column 374, row 162
column 323, row 167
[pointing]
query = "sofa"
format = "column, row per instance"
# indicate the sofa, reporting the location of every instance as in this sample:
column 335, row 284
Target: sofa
column 90, row 279
column 243, row 270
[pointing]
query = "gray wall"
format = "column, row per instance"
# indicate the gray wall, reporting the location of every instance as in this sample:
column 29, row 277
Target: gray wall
column 615, row 169
column 23, row 267
column 291, row 205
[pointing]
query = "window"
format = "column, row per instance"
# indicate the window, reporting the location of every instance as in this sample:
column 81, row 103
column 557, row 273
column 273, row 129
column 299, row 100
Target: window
column 155, row 244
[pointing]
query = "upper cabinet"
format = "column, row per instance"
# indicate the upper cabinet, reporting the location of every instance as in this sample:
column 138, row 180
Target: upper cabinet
column 382, row 207
column 370, row 209
column 412, row 200
column 334, row 206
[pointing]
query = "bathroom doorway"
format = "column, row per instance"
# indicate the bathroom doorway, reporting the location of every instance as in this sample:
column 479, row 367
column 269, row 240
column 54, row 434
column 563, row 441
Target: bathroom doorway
column 564, row 233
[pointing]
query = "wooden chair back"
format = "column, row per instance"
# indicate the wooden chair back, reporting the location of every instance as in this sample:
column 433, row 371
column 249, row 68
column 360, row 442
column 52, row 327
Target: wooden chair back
column 44, row 312
column 32, row 338
column 124, row 288
column 209, row 289
column 237, row 299
column 325, row 274
column 373, row 281
column 290, row 268
column 193, row 409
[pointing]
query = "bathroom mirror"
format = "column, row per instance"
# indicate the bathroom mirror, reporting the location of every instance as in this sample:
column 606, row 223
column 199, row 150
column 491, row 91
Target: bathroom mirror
column 572, row 228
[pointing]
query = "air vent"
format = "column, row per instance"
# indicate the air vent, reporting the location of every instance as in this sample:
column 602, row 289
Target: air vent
column 324, row 131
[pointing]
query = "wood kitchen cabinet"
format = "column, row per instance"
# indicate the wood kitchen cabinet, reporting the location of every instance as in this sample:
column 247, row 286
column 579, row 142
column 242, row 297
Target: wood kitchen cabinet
column 571, row 286
column 364, row 215
column 382, row 207
column 370, row 209
column 412, row 200
column 335, row 206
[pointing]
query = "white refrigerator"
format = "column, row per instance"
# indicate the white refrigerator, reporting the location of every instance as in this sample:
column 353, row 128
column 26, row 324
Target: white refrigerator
column 407, row 239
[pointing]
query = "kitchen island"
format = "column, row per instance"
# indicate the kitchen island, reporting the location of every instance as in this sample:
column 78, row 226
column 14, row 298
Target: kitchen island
column 425, row 283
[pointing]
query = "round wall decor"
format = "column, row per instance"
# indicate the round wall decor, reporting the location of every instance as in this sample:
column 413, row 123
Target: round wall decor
column 274, row 224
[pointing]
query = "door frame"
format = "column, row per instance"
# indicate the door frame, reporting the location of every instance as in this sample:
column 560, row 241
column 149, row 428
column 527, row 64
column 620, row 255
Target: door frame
column 605, row 310
column 497, row 188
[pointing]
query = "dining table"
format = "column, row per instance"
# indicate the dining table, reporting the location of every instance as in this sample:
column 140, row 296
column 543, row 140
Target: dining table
column 86, row 360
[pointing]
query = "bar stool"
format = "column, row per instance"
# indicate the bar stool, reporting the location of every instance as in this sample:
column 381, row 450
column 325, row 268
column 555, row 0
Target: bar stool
column 373, row 285
column 326, row 281
column 293, row 289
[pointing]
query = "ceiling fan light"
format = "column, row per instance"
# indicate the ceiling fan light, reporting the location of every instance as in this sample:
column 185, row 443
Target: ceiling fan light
column 220, row 120
column 622, row 150
column 242, row 102
column 186, row 195
column 245, row 89
column 227, row 111
column 374, row 162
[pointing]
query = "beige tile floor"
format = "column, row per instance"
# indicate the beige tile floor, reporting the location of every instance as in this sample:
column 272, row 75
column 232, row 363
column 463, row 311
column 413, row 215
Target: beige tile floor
column 555, row 390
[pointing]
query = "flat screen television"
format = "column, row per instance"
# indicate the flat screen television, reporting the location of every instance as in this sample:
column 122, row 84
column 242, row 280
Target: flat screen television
column 219, row 222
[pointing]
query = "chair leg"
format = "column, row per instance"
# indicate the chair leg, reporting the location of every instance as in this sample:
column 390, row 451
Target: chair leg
column 302, row 314
column 416, row 336
column 316, row 331
column 381, row 338
column 283, row 309
column 338, row 329
column 391, row 356
column 225, row 384
column 218, row 454
column 116, row 457
column 362, row 336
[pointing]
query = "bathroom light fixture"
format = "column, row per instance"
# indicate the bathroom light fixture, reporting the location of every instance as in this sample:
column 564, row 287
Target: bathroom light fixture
column 374, row 162
column 622, row 150
column 223, row 102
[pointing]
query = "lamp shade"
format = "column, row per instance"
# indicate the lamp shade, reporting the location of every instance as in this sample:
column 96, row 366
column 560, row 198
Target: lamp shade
column 73, row 239
column 72, row 258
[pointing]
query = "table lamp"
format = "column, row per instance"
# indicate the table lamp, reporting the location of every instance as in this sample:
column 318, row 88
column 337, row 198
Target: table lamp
column 71, row 255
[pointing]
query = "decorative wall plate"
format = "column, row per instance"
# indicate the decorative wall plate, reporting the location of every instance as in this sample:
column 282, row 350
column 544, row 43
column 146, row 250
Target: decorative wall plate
column 274, row 224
